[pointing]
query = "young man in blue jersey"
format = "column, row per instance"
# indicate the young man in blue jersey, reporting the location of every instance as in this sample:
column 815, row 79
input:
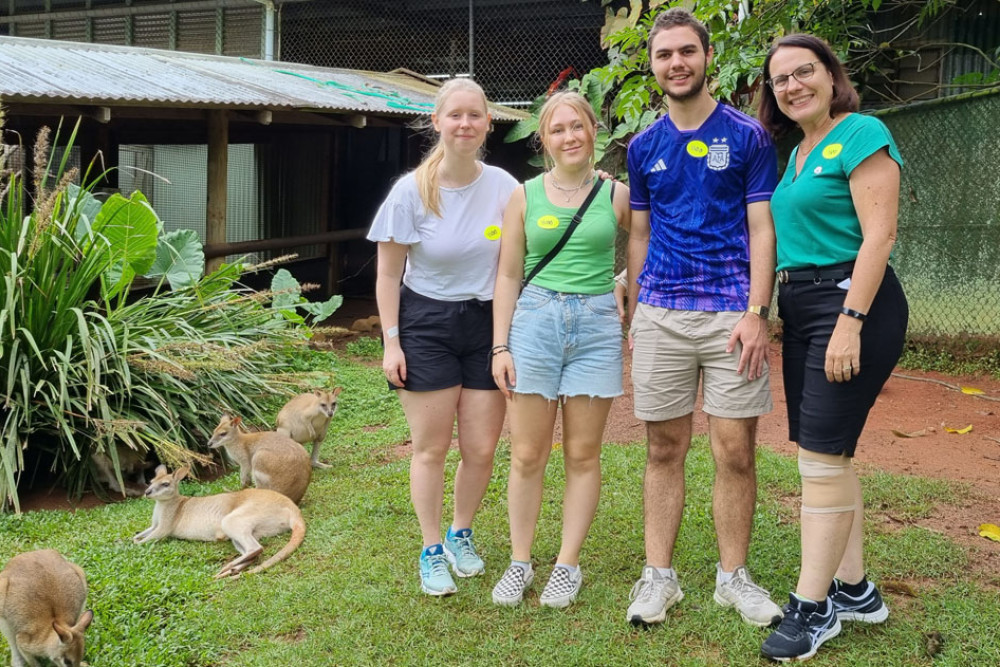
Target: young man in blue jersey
column 701, row 259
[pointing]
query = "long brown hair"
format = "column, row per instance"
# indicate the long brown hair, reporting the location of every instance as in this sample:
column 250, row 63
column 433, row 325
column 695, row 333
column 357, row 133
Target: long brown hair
column 845, row 98
column 426, row 172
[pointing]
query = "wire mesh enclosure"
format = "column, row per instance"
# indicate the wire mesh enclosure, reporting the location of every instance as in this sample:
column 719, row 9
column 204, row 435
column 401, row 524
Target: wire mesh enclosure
column 515, row 49
column 948, row 250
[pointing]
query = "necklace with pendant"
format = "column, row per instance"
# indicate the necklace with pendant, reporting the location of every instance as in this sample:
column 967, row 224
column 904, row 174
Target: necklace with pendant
column 568, row 193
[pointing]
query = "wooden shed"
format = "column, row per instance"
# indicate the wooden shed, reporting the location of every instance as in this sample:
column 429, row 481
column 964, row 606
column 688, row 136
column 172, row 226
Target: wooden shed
column 260, row 157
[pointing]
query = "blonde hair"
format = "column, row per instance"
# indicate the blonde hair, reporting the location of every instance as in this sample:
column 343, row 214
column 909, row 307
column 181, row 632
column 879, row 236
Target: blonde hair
column 573, row 100
column 426, row 172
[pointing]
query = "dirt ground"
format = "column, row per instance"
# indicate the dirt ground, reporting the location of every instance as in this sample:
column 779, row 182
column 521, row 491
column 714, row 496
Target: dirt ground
column 912, row 402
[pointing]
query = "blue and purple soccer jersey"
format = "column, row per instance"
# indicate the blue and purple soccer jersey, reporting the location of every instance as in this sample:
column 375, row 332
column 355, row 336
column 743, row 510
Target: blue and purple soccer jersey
column 696, row 185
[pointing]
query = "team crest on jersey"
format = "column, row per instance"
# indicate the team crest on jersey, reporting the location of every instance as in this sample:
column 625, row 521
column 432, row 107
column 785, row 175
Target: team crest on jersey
column 718, row 154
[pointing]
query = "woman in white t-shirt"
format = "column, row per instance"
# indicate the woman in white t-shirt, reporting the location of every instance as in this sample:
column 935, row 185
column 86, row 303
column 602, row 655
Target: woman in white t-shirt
column 438, row 232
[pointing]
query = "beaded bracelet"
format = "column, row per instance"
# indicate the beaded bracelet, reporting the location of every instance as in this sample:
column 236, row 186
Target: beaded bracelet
column 853, row 313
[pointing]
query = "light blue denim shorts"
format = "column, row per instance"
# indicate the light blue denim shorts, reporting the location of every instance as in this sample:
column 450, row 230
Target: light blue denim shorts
column 566, row 345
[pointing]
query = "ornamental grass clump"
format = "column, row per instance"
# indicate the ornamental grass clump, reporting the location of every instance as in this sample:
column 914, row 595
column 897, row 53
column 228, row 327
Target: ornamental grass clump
column 88, row 370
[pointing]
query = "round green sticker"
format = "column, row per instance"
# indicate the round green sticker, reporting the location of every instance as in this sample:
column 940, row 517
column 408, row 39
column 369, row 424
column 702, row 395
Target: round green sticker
column 832, row 151
column 697, row 148
column 548, row 222
column 492, row 233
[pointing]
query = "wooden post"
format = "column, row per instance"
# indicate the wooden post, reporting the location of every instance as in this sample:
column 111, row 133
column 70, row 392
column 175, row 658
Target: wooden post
column 218, row 165
column 329, row 211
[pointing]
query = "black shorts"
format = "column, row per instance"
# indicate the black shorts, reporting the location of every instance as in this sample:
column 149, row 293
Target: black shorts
column 823, row 416
column 445, row 343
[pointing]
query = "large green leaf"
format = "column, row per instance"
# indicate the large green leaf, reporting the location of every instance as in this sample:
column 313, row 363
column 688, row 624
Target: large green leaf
column 179, row 258
column 86, row 205
column 130, row 228
column 522, row 129
column 322, row 310
column 286, row 289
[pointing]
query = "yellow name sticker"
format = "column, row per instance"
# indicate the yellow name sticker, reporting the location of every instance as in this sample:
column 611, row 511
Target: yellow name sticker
column 548, row 222
column 697, row 148
column 492, row 233
column 832, row 151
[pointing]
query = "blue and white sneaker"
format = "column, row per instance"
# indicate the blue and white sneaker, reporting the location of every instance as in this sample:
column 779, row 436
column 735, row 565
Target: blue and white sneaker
column 461, row 553
column 802, row 631
column 865, row 608
column 434, row 576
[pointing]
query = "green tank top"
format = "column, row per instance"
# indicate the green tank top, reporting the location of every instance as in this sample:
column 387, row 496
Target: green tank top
column 586, row 263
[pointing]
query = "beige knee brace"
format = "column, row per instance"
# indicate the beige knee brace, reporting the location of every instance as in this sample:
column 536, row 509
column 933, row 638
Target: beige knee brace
column 828, row 483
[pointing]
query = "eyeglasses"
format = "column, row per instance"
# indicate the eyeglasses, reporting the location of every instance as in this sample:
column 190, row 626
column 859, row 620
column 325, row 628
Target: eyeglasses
column 801, row 74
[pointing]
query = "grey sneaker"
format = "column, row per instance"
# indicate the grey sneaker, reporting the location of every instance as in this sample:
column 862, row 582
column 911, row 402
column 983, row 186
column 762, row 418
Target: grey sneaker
column 509, row 591
column 752, row 601
column 562, row 588
column 652, row 596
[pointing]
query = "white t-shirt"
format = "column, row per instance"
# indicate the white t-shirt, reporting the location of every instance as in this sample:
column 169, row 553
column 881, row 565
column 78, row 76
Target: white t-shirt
column 454, row 257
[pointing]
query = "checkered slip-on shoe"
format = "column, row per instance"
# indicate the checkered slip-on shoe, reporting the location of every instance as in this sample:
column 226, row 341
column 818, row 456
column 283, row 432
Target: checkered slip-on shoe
column 562, row 589
column 509, row 591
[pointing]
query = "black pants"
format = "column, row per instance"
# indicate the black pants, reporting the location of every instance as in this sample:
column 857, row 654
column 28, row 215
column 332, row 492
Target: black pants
column 823, row 416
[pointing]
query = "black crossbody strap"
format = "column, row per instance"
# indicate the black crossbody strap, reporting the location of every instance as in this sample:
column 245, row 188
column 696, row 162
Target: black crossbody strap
column 565, row 237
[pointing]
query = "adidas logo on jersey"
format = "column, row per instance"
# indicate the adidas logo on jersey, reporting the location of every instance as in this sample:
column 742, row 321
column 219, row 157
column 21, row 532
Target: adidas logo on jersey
column 659, row 166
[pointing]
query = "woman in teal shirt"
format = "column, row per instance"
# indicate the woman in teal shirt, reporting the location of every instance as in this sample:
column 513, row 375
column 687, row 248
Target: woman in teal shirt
column 844, row 321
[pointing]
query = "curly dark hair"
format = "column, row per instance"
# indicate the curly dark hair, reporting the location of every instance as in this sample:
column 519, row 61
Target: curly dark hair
column 673, row 18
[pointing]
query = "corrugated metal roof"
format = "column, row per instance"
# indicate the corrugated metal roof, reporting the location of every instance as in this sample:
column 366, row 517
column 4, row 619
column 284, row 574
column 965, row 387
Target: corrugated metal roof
column 47, row 71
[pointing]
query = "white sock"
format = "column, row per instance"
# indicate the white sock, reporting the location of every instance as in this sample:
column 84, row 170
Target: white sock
column 524, row 565
column 667, row 572
column 722, row 577
column 571, row 569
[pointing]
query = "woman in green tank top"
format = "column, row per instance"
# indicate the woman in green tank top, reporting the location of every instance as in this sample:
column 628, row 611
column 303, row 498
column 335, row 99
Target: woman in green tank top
column 557, row 342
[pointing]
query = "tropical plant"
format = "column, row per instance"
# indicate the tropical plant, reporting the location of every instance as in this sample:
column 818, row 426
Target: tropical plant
column 89, row 368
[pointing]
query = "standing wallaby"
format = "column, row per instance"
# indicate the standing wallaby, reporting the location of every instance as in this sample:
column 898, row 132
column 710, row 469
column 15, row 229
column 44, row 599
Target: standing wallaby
column 42, row 598
column 241, row 516
column 306, row 418
column 271, row 460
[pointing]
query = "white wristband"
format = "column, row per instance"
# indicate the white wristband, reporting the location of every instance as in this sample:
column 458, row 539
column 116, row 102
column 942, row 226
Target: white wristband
column 391, row 332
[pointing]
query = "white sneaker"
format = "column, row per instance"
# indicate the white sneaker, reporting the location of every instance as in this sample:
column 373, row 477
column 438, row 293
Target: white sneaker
column 753, row 602
column 652, row 596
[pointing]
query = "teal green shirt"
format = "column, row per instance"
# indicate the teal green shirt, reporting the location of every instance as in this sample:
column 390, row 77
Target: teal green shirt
column 586, row 263
column 814, row 217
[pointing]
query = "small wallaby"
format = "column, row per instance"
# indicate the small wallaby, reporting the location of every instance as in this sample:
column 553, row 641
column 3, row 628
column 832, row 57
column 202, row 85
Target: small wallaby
column 133, row 466
column 306, row 418
column 271, row 460
column 241, row 516
column 42, row 598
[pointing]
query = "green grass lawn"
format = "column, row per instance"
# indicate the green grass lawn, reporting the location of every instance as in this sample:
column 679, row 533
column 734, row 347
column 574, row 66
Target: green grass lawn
column 350, row 594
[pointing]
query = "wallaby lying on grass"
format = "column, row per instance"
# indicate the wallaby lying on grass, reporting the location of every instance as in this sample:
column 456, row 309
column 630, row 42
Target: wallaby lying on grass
column 42, row 596
column 306, row 418
column 273, row 461
column 241, row 516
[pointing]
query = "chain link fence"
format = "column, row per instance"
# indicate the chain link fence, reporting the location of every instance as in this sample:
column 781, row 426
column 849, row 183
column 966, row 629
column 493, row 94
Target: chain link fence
column 515, row 49
column 948, row 249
